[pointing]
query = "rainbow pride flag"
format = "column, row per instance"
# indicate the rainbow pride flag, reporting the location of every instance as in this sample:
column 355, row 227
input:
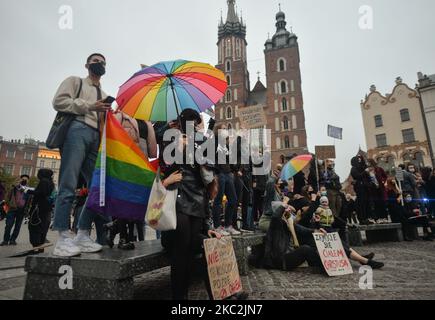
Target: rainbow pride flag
column 123, row 176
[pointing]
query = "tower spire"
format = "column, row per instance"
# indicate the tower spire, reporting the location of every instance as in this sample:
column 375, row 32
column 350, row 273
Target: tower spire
column 232, row 16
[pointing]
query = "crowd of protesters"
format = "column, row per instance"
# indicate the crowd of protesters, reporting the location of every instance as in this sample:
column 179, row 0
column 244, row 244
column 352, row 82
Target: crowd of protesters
column 214, row 199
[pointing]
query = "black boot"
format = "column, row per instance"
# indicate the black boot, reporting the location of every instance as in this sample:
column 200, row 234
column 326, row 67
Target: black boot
column 369, row 256
column 375, row 264
column 124, row 245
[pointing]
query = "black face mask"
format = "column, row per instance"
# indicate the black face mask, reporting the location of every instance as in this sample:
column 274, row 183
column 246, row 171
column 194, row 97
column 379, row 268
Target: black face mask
column 97, row 68
column 23, row 182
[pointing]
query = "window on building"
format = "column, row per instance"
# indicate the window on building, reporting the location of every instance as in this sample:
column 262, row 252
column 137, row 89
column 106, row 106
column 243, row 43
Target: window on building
column 284, row 104
column 381, row 140
column 53, row 165
column 229, row 126
column 228, row 96
column 378, row 121
column 42, row 164
column 26, row 170
column 286, row 142
column 8, row 169
column 408, row 135
column 292, row 85
column 228, row 66
column 294, row 122
column 283, row 86
column 229, row 113
column 10, row 154
column 28, row 156
column 281, row 65
column 407, row 158
column 285, row 123
column 282, row 158
column 404, row 115
column 229, row 80
column 238, row 48
column 278, row 143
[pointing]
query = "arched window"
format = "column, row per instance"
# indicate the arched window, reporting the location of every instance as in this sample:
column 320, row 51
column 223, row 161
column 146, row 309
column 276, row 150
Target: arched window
column 282, row 158
column 228, row 66
column 229, row 80
column 281, row 65
column 228, row 96
column 229, row 113
column 293, row 103
column 229, row 126
column 286, row 142
column 283, row 86
column 294, row 122
column 238, row 48
column 386, row 163
column 285, row 123
column 284, row 104
column 296, row 141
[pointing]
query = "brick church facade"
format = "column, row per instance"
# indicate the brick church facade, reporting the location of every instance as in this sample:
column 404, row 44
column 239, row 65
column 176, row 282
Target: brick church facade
column 281, row 98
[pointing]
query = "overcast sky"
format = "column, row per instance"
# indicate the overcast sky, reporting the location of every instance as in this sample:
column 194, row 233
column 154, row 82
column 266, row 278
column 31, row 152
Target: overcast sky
column 339, row 61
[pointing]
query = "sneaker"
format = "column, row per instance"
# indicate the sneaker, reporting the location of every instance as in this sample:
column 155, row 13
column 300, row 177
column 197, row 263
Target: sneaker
column 65, row 247
column 232, row 231
column 86, row 244
column 247, row 230
column 371, row 221
column 222, row 231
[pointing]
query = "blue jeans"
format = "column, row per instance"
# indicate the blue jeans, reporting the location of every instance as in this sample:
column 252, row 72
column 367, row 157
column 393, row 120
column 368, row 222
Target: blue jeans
column 226, row 187
column 79, row 154
column 14, row 217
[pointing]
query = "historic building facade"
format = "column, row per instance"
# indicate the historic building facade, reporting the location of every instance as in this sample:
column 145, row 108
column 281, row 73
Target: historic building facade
column 281, row 98
column 18, row 157
column 49, row 159
column 394, row 127
column 426, row 89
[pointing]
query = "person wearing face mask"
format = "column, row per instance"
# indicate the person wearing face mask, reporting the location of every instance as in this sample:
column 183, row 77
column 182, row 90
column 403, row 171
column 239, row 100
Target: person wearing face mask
column 16, row 200
column 409, row 184
column 360, row 182
column 331, row 181
column 84, row 98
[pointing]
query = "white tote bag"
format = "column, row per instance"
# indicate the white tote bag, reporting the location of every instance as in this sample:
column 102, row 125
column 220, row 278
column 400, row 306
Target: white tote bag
column 161, row 214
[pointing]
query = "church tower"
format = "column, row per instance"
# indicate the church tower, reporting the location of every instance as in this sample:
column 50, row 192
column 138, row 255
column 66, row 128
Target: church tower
column 232, row 61
column 285, row 110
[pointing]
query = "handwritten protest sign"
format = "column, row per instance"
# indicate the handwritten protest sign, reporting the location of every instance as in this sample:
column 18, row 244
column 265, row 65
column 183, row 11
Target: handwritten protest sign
column 252, row 117
column 325, row 152
column 332, row 254
column 222, row 267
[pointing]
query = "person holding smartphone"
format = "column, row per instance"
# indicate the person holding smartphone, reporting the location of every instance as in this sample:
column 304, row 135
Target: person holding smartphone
column 85, row 99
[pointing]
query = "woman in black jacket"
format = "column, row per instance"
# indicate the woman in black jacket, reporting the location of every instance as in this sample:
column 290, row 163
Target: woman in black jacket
column 40, row 212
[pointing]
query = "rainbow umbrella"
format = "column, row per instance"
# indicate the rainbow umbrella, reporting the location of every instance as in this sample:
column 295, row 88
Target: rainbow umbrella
column 162, row 91
column 294, row 166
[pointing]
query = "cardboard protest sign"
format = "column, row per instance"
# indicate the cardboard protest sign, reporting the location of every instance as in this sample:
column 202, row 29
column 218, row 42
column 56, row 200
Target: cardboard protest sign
column 222, row 267
column 252, row 117
column 325, row 152
column 332, row 254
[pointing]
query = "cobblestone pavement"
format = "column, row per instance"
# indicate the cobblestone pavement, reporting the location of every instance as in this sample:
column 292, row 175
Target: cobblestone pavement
column 409, row 273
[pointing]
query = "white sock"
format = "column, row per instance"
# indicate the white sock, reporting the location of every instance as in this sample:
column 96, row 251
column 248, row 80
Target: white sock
column 82, row 234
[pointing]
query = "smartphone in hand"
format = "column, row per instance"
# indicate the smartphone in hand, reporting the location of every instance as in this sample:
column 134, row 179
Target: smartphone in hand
column 109, row 99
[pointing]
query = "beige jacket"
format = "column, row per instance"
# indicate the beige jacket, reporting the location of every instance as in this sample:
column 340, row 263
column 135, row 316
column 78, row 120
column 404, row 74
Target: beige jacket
column 65, row 99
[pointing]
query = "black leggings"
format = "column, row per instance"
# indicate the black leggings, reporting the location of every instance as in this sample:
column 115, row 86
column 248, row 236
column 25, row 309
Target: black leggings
column 304, row 253
column 182, row 245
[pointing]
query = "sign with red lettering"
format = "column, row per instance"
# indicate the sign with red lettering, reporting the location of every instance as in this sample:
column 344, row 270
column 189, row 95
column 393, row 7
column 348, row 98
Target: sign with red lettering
column 332, row 254
column 222, row 267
